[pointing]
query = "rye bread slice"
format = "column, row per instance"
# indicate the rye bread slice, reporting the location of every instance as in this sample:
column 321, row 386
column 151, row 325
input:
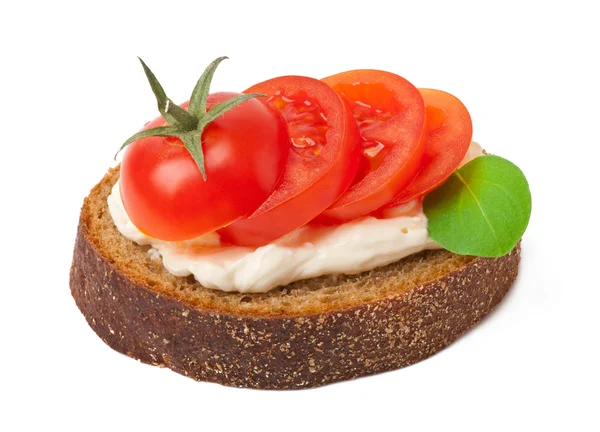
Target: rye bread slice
column 305, row 334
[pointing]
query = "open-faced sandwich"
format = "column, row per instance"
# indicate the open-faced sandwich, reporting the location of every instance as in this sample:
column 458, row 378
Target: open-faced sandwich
column 300, row 233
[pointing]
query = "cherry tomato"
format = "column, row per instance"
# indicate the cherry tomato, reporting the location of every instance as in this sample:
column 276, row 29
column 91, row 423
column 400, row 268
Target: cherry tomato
column 448, row 135
column 324, row 151
column 162, row 188
column 390, row 115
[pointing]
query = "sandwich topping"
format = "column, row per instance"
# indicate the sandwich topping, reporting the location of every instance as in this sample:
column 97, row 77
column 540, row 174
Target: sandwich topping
column 297, row 178
column 310, row 251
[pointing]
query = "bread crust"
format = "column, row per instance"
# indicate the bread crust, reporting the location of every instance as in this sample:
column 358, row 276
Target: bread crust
column 286, row 351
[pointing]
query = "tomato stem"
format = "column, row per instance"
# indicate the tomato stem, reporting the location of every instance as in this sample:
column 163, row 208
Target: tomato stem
column 188, row 125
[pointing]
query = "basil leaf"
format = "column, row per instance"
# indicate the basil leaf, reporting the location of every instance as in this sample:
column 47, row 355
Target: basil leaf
column 482, row 209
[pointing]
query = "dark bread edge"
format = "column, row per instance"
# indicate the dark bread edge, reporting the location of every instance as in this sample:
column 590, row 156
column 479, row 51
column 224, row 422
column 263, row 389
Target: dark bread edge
column 284, row 352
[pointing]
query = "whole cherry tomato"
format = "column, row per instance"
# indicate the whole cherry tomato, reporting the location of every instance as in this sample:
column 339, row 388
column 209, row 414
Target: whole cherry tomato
column 164, row 194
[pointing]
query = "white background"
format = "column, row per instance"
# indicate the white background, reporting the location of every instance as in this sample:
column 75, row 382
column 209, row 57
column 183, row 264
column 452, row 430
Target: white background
column 72, row 91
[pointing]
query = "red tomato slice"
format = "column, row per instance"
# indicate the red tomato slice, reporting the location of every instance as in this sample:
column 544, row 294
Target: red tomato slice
column 448, row 135
column 390, row 114
column 323, row 159
column 162, row 188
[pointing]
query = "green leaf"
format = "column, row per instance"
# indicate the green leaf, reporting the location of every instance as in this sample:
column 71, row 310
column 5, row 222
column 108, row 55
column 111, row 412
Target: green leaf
column 222, row 107
column 171, row 112
column 482, row 209
column 199, row 96
column 161, row 131
column 192, row 142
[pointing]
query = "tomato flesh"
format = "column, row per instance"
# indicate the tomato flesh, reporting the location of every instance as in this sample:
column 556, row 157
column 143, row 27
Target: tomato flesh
column 448, row 135
column 162, row 188
column 390, row 113
column 307, row 124
column 323, row 158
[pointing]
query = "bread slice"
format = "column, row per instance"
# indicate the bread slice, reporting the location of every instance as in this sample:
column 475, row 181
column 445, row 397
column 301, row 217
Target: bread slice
column 305, row 334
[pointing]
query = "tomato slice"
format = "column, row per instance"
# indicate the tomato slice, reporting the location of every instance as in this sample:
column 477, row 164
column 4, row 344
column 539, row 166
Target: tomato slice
column 162, row 188
column 323, row 159
column 390, row 115
column 448, row 135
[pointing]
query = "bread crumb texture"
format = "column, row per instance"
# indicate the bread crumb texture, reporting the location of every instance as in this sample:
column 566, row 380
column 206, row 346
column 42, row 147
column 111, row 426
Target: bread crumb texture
column 304, row 334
